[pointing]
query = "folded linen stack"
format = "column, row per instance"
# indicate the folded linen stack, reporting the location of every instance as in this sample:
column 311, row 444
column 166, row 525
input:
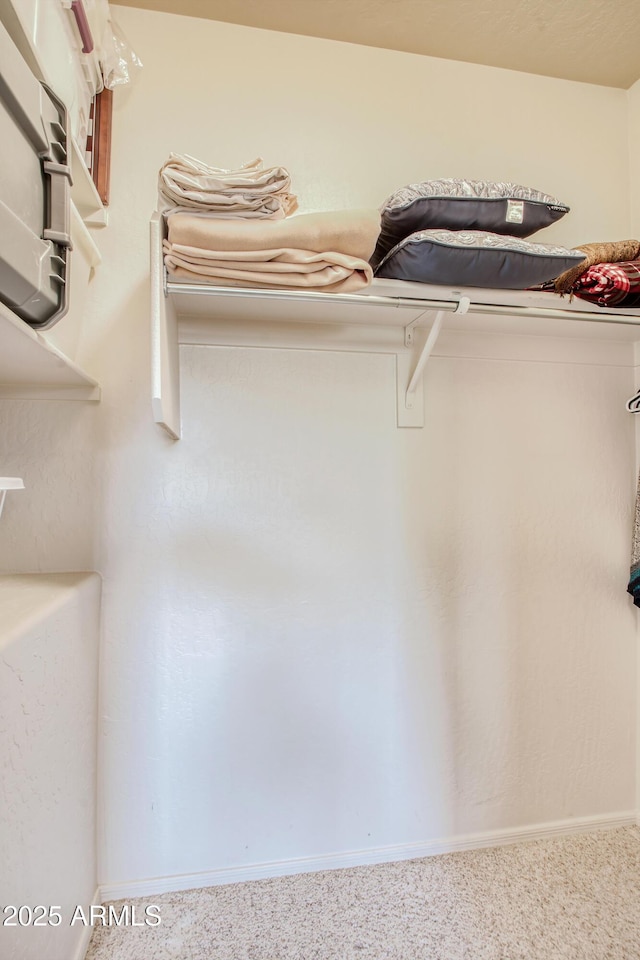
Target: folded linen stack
column 326, row 252
column 187, row 184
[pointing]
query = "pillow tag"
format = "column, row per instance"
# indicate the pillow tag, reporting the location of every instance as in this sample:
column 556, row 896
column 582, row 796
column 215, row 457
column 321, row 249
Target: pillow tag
column 515, row 211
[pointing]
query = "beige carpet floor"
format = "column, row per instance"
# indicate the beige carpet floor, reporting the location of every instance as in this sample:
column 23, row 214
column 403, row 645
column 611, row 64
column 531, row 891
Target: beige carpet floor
column 576, row 898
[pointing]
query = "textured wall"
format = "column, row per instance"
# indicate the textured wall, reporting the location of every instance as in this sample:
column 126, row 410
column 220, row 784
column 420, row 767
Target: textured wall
column 353, row 636
column 48, row 730
column 55, row 522
column 324, row 633
column 321, row 633
column 634, row 155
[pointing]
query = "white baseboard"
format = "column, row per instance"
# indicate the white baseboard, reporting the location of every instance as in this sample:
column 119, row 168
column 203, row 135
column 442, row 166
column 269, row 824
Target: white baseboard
column 85, row 931
column 359, row 858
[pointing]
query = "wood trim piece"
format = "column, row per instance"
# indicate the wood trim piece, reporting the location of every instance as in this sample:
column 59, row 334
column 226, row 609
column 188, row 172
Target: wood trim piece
column 101, row 144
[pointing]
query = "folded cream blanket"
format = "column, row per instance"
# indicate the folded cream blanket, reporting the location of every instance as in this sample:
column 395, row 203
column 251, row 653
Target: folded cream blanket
column 353, row 232
column 279, row 269
column 251, row 191
column 316, row 251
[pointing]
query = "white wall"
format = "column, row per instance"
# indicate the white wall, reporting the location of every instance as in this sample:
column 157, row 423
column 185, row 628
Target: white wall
column 49, row 630
column 54, row 524
column 633, row 95
column 354, row 123
column 321, row 633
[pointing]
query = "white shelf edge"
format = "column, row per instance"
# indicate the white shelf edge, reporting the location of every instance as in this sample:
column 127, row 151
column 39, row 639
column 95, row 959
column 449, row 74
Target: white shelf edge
column 84, row 192
column 11, row 391
column 55, row 376
column 483, row 301
column 165, row 361
column 11, row 483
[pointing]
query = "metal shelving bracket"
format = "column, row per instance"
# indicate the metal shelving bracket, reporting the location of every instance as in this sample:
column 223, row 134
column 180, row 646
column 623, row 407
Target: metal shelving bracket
column 410, row 371
column 9, row 483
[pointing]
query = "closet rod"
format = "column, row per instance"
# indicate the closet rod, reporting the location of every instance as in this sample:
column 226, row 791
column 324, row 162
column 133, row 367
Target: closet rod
column 502, row 309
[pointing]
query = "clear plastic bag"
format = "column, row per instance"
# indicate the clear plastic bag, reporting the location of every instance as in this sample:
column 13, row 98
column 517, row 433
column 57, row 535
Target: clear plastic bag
column 118, row 60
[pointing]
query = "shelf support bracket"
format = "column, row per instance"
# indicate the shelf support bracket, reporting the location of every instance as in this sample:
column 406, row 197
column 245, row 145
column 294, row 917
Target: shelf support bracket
column 410, row 397
column 409, row 330
column 9, row 483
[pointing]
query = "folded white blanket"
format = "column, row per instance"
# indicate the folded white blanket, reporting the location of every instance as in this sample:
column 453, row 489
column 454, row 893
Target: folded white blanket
column 187, row 184
column 278, row 269
column 328, row 252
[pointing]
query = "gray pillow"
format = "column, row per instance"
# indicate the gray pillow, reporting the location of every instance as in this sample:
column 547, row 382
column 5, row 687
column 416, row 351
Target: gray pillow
column 474, row 258
column 464, row 205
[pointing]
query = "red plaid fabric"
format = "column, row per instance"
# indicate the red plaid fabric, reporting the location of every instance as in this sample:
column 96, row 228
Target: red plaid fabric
column 610, row 284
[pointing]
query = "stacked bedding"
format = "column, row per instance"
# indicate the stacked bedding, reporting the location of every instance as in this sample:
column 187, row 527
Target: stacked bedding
column 234, row 228
column 325, row 252
column 249, row 191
